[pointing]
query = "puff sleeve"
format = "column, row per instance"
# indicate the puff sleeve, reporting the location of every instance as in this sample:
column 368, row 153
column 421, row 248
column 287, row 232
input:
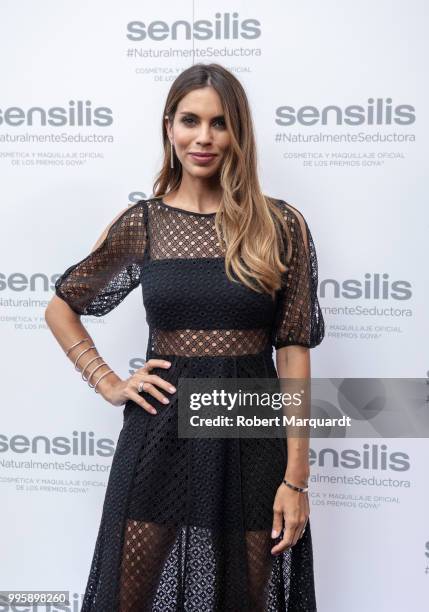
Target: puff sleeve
column 298, row 317
column 101, row 280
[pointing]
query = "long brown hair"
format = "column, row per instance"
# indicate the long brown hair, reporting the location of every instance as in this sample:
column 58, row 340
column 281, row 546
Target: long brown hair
column 247, row 221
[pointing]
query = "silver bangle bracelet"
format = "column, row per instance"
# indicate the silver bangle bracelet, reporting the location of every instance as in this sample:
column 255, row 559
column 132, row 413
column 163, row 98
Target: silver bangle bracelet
column 75, row 344
column 80, row 355
column 294, row 487
column 98, row 380
column 89, row 362
column 92, row 372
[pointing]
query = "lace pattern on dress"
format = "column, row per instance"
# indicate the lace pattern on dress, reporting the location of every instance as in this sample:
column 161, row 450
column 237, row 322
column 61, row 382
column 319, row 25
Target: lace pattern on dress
column 299, row 319
column 101, row 280
column 181, row 235
column 192, row 342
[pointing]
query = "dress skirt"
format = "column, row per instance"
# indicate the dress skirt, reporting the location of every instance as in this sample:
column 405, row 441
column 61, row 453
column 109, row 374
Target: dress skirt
column 186, row 523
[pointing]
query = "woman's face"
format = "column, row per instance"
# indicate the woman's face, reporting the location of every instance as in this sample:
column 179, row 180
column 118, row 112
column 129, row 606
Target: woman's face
column 199, row 127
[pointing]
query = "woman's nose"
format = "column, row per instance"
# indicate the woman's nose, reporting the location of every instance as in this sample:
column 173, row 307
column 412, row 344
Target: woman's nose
column 204, row 134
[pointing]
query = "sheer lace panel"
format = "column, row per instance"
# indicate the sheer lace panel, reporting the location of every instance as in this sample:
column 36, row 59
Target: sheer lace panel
column 299, row 318
column 146, row 546
column 191, row 342
column 149, row 580
column 175, row 234
column 99, row 282
column 259, row 567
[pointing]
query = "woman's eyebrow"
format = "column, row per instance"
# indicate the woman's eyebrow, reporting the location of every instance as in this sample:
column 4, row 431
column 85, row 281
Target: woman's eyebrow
column 195, row 115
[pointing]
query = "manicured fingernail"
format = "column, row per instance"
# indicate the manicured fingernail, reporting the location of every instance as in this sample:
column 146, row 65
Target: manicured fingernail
column 274, row 533
column 165, row 400
column 167, row 363
column 154, row 411
column 172, row 389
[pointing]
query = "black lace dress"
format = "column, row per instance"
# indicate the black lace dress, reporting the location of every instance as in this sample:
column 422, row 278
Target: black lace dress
column 186, row 523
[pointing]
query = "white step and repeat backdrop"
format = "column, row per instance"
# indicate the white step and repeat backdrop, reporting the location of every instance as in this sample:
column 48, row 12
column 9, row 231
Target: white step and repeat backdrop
column 338, row 92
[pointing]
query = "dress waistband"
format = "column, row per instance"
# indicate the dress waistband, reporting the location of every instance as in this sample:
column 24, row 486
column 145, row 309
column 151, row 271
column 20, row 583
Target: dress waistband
column 209, row 342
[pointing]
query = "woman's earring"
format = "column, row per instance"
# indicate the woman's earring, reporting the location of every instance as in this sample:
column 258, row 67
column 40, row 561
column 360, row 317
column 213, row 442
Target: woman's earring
column 171, row 155
column 171, row 150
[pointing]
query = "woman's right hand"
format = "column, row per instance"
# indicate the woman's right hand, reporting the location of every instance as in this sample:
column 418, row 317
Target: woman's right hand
column 118, row 393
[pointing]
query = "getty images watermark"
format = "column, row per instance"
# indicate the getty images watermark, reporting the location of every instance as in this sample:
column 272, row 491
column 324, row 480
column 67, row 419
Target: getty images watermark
column 317, row 407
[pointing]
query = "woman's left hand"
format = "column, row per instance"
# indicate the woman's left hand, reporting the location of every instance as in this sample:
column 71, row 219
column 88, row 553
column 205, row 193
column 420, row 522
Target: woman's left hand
column 294, row 508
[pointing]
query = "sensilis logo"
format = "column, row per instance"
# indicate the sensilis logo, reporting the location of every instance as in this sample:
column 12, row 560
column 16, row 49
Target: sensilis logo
column 370, row 457
column 81, row 443
column 224, row 26
column 380, row 111
column 76, row 113
column 372, row 287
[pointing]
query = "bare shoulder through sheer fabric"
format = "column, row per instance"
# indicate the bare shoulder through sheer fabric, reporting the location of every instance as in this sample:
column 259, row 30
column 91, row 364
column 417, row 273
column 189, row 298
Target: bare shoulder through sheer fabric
column 186, row 523
column 101, row 280
column 299, row 318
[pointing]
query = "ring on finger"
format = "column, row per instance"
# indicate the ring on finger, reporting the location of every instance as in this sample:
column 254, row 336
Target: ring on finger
column 140, row 386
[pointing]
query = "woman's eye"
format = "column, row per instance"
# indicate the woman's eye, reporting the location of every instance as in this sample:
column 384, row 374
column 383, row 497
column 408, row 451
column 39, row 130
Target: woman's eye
column 190, row 120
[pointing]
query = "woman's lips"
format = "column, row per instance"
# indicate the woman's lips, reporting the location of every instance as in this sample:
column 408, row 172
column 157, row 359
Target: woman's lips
column 204, row 158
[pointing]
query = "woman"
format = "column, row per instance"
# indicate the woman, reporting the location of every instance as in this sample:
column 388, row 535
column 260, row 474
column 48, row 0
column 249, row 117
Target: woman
column 227, row 273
